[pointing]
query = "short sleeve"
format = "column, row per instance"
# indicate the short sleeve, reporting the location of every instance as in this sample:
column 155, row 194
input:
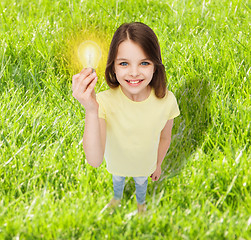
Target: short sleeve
column 173, row 108
column 101, row 109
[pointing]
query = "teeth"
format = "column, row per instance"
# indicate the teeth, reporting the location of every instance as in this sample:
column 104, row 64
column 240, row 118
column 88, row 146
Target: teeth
column 134, row 82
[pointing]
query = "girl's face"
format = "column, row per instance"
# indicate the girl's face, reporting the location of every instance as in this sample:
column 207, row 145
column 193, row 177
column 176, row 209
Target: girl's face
column 134, row 71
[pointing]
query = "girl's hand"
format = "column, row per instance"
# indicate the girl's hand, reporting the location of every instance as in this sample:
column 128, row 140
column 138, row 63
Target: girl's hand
column 83, row 85
column 156, row 175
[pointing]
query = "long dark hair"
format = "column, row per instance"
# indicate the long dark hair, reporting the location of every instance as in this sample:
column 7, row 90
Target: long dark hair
column 145, row 37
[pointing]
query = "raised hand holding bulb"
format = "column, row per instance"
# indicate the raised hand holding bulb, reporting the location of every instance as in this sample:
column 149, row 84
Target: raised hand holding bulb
column 83, row 84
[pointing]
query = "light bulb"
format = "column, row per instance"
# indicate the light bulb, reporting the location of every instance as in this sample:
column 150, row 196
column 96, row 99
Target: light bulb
column 89, row 54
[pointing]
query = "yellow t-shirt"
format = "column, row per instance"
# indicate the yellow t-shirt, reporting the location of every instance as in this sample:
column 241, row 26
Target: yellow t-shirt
column 133, row 130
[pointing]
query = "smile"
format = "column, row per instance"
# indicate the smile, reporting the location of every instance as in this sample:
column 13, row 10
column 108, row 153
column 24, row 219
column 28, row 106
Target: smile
column 134, row 82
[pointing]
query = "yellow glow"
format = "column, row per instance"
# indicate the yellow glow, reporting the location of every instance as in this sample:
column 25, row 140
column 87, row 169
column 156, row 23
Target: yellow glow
column 89, row 54
column 72, row 42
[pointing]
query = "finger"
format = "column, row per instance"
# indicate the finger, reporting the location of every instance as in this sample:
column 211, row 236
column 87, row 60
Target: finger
column 85, row 72
column 84, row 82
column 155, row 178
column 74, row 78
column 91, row 86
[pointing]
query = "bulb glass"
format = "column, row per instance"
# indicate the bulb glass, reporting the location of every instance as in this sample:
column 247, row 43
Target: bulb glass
column 89, row 54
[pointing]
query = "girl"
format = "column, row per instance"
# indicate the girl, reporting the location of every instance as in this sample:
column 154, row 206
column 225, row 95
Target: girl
column 130, row 124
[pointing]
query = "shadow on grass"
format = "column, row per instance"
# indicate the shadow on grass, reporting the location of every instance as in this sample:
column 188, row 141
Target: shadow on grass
column 190, row 127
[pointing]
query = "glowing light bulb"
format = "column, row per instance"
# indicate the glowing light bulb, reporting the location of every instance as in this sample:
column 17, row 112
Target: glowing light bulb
column 89, row 54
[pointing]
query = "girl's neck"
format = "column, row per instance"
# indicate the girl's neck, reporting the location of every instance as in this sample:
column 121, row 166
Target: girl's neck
column 140, row 97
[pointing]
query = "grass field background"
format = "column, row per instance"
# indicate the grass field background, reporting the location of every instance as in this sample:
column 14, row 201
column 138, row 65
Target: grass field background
column 48, row 191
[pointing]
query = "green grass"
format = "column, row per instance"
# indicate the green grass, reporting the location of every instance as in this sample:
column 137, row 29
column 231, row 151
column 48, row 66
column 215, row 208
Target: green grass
column 48, row 191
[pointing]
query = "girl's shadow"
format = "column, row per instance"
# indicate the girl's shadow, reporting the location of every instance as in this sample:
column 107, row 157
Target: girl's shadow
column 190, row 127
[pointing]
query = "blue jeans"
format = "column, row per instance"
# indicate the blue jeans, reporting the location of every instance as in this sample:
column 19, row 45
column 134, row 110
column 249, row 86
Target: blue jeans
column 140, row 184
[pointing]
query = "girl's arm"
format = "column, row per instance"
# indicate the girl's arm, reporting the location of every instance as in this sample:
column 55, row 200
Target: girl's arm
column 94, row 134
column 94, row 139
column 164, row 143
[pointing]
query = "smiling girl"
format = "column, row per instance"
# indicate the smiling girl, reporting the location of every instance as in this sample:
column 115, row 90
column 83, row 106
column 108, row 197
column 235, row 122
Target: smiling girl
column 131, row 123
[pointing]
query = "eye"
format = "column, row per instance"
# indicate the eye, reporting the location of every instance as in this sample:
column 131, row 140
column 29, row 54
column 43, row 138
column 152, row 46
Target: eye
column 145, row 63
column 123, row 63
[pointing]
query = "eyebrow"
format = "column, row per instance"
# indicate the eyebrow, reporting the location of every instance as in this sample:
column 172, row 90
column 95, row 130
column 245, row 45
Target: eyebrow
column 120, row 59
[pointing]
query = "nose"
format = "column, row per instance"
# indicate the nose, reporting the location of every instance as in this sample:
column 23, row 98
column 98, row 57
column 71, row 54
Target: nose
column 134, row 71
